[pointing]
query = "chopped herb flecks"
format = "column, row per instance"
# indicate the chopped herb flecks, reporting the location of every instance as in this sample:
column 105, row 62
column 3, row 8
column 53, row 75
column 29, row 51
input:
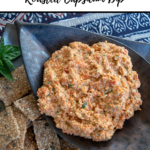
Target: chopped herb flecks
column 105, row 92
column 83, row 106
column 108, row 107
column 125, row 67
column 111, row 90
column 69, row 85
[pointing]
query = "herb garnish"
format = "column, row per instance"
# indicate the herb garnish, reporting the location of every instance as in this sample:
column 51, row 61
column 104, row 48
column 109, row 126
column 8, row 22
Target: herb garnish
column 69, row 85
column 7, row 53
column 125, row 67
column 83, row 106
column 111, row 90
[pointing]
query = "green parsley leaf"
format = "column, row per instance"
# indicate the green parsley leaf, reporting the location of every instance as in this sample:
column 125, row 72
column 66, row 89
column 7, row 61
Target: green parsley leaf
column 83, row 106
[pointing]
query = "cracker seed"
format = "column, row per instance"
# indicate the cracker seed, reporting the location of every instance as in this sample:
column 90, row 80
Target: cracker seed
column 45, row 136
column 9, row 129
column 28, row 106
column 18, row 144
column 11, row 91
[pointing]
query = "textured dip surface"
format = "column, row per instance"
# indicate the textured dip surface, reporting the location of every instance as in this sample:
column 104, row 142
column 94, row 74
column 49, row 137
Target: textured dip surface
column 90, row 90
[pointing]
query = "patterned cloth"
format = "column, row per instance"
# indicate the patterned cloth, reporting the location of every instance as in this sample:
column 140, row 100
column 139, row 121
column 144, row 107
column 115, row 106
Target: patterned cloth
column 131, row 26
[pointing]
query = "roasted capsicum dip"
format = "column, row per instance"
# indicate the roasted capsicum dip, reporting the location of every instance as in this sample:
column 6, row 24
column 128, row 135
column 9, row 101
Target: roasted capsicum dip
column 90, row 90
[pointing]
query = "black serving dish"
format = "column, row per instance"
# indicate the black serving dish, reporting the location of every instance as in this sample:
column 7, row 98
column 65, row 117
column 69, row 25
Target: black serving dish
column 39, row 41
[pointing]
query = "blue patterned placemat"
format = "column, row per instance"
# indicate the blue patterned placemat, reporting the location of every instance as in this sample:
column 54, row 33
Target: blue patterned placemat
column 131, row 26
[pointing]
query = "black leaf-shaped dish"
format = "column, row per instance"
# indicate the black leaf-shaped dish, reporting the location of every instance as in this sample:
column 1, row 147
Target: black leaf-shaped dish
column 38, row 42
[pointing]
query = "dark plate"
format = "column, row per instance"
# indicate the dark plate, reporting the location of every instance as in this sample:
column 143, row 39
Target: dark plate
column 39, row 41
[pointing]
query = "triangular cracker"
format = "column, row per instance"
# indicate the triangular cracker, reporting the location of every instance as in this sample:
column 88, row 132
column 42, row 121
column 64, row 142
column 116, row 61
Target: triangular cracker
column 18, row 144
column 28, row 106
column 45, row 136
column 11, row 91
column 9, row 129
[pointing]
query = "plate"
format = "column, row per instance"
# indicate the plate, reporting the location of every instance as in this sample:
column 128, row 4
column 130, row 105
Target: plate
column 38, row 42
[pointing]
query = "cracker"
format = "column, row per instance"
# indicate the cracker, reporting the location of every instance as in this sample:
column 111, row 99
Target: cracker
column 67, row 146
column 30, row 143
column 28, row 106
column 45, row 136
column 18, row 144
column 9, row 129
column 11, row 91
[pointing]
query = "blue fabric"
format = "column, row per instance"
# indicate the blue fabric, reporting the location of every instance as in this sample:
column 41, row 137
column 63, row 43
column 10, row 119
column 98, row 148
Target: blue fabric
column 131, row 26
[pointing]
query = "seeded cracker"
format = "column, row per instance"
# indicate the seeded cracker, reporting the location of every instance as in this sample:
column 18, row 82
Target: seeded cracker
column 18, row 144
column 30, row 143
column 45, row 136
column 9, row 129
column 28, row 106
column 11, row 91
column 67, row 146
